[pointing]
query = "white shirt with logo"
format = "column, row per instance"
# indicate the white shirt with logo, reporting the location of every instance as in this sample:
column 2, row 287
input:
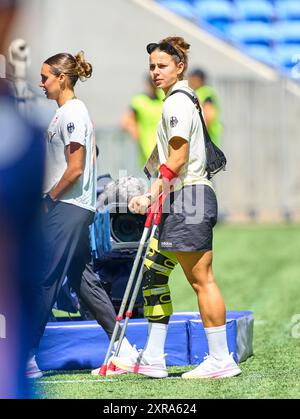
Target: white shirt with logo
column 180, row 118
column 71, row 123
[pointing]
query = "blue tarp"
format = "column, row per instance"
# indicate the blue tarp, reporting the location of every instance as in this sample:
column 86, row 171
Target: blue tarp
column 83, row 344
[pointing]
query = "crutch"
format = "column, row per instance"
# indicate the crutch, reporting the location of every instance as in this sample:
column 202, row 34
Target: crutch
column 155, row 210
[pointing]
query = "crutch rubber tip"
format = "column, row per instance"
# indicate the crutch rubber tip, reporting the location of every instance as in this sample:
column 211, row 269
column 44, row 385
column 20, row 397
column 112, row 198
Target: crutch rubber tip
column 103, row 370
column 112, row 367
column 119, row 318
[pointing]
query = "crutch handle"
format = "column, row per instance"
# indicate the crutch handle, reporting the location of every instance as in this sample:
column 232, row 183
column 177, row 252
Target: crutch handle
column 150, row 215
column 158, row 215
column 155, row 210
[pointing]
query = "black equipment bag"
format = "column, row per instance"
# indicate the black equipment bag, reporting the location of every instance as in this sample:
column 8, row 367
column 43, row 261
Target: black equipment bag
column 215, row 158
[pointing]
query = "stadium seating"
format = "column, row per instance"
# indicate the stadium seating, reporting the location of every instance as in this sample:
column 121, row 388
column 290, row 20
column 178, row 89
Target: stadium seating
column 267, row 30
column 218, row 13
column 287, row 32
column 181, row 7
column 287, row 55
column 252, row 33
column 287, row 10
column 255, row 10
column 262, row 53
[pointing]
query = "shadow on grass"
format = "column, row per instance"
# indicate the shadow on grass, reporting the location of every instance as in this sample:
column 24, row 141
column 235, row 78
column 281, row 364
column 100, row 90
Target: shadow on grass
column 176, row 374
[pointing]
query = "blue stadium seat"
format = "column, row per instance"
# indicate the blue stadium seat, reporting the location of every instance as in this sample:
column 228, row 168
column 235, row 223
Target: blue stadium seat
column 287, row 32
column 252, row 33
column 287, row 55
column 255, row 10
column 249, row 24
column 218, row 13
column 288, row 9
column 262, row 53
column 183, row 8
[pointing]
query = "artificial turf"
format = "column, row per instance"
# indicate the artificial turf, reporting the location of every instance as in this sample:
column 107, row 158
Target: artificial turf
column 257, row 268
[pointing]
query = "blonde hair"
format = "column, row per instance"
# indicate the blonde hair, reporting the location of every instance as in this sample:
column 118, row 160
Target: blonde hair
column 181, row 46
column 75, row 67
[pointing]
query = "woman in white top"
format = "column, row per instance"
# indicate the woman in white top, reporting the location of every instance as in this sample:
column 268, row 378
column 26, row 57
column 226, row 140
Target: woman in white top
column 185, row 232
column 70, row 198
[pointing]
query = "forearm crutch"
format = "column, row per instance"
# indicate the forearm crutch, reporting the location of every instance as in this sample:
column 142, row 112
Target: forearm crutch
column 155, row 212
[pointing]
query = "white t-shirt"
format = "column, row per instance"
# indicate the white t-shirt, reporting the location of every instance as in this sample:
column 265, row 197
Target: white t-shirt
column 180, row 118
column 71, row 123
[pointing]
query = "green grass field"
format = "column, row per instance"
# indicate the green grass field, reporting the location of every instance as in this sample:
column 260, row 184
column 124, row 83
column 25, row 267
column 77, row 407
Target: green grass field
column 258, row 269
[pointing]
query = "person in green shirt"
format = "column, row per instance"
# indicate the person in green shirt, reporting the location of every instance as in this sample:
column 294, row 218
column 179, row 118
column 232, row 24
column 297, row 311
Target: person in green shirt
column 209, row 103
column 141, row 120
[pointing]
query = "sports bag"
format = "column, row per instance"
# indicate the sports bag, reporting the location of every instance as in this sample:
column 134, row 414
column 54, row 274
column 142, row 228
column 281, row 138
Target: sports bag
column 215, row 158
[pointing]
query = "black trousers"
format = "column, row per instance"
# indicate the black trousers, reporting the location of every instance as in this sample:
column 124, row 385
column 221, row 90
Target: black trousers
column 67, row 253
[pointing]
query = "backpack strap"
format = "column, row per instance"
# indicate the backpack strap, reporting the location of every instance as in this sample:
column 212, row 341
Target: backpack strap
column 195, row 101
column 215, row 158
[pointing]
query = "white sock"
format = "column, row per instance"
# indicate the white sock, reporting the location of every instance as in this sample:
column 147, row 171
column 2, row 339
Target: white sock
column 155, row 346
column 217, row 342
column 126, row 348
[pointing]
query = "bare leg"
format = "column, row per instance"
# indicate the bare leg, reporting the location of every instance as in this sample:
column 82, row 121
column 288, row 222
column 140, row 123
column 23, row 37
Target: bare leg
column 197, row 267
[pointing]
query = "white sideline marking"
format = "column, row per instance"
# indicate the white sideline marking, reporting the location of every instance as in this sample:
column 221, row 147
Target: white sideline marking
column 101, row 380
column 75, row 381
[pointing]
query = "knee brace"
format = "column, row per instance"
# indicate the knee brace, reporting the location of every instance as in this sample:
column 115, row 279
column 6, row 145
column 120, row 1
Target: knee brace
column 158, row 265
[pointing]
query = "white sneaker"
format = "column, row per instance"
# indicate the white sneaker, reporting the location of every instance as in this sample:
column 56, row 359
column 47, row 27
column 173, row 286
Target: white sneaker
column 213, row 368
column 111, row 369
column 32, row 369
column 154, row 367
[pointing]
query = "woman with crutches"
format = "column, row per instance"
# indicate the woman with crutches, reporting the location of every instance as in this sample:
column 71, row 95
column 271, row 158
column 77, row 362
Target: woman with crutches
column 185, row 232
column 70, row 200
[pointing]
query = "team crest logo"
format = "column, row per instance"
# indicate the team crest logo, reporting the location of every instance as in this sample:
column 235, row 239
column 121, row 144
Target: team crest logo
column 70, row 127
column 50, row 136
column 173, row 121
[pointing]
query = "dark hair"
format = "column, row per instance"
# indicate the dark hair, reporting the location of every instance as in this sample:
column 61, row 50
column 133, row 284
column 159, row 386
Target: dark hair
column 175, row 46
column 75, row 67
column 166, row 47
column 198, row 72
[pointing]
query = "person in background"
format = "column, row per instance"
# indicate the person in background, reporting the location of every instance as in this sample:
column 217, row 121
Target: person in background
column 185, row 234
column 209, row 102
column 69, row 200
column 141, row 120
column 22, row 152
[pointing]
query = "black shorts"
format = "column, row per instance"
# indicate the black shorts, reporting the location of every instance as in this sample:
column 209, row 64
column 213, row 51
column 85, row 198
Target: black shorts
column 188, row 218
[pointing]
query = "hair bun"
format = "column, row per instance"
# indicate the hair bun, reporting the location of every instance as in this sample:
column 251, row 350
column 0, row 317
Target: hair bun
column 84, row 69
column 181, row 46
column 181, row 43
